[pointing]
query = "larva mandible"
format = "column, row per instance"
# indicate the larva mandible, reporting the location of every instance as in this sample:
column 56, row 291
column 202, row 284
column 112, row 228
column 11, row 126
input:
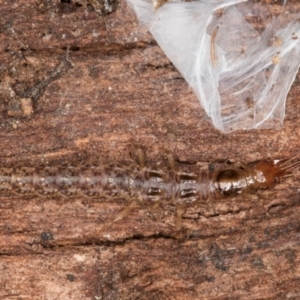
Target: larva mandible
column 142, row 184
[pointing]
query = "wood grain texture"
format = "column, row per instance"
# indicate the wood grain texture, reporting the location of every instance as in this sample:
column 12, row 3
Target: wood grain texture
column 78, row 81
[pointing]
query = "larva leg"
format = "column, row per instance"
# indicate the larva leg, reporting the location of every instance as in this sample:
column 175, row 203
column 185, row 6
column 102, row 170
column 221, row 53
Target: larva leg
column 242, row 165
column 179, row 214
column 170, row 158
column 156, row 211
column 83, row 195
column 138, row 153
column 119, row 217
column 124, row 212
column 249, row 197
column 179, row 231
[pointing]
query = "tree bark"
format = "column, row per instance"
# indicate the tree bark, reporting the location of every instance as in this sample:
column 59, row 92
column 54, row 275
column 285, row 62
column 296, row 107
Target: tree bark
column 79, row 81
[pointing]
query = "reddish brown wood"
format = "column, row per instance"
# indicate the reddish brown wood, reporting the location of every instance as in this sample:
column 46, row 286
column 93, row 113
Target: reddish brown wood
column 77, row 82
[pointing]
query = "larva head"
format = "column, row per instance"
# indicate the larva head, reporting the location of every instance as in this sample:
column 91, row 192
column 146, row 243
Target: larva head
column 266, row 172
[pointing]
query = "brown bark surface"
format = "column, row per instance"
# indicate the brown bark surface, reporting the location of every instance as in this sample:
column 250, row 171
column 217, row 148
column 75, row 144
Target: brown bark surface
column 79, row 80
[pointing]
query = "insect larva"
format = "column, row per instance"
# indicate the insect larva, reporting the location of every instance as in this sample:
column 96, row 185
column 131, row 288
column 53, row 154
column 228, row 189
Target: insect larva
column 140, row 184
column 212, row 46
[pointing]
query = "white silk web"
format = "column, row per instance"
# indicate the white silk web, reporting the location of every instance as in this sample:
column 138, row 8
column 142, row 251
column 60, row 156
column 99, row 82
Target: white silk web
column 240, row 73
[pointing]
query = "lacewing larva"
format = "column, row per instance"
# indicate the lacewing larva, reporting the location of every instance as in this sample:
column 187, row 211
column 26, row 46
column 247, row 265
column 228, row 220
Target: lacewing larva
column 142, row 185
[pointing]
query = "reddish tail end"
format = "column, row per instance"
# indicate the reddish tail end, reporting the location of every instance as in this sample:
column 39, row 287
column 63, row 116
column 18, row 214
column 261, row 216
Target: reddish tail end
column 267, row 172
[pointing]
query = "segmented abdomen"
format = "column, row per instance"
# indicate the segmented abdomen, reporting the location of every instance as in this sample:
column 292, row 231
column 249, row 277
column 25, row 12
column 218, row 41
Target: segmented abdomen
column 99, row 181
